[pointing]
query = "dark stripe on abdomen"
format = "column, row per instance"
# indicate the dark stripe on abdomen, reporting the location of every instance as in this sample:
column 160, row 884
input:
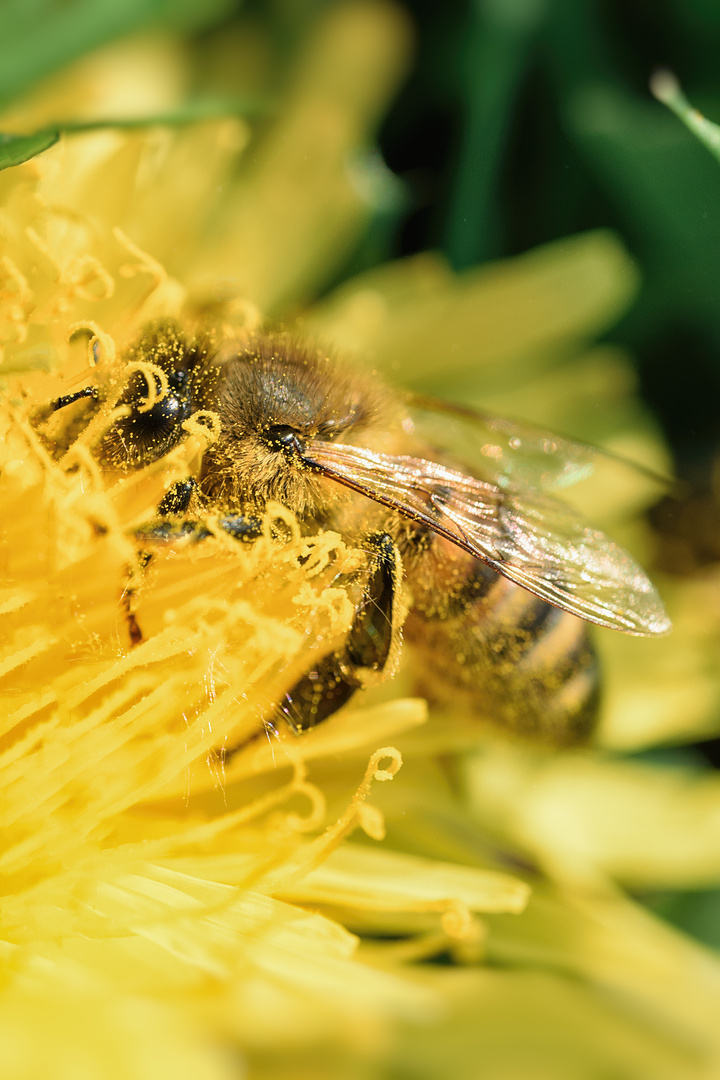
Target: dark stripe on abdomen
column 516, row 661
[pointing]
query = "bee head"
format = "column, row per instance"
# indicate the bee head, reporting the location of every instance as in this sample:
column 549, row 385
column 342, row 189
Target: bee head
column 274, row 395
column 147, row 433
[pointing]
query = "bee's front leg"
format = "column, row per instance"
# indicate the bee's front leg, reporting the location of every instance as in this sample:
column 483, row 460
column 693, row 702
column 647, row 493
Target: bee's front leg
column 372, row 641
column 171, row 524
column 177, row 498
column 173, row 507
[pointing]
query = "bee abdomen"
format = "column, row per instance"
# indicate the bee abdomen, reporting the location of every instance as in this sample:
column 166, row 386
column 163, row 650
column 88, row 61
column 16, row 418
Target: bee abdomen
column 515, row 661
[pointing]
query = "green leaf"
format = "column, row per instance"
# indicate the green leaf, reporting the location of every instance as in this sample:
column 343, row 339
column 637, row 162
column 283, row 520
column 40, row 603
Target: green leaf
column 192, row 112
column 14, row 149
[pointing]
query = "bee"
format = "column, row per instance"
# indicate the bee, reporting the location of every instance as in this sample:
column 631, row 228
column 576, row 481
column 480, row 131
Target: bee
column 501, row 578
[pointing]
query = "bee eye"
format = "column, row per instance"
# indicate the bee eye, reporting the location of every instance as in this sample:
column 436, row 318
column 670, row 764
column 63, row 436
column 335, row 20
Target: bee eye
column 178, row 380
column 284, row 438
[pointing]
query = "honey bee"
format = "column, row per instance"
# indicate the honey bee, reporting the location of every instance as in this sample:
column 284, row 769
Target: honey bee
column 501, row 577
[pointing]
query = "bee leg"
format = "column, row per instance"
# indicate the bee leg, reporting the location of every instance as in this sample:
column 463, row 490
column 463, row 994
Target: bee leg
column 134, row 631
column 177, row 498
column 175, row 501
column 334, row 680
column 242, row 527
column 174, row 504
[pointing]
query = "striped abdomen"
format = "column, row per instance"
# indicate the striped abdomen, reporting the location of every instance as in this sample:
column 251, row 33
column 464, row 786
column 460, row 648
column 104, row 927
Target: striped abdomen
column 514, row 660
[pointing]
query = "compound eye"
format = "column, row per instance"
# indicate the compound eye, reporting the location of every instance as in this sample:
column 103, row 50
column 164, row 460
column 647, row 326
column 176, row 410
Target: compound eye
column 169, row 410
column 284, row 438
column 144, row 437
column 178, row 380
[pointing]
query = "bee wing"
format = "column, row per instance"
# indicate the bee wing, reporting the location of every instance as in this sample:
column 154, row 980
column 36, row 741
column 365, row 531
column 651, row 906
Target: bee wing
column 512, row 453
column 532, row 539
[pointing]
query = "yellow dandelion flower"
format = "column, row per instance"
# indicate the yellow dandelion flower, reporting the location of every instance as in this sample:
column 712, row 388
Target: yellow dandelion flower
column 171, row 908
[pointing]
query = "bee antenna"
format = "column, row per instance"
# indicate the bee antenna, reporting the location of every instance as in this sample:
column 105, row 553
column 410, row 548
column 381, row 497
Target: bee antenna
column 67, row 399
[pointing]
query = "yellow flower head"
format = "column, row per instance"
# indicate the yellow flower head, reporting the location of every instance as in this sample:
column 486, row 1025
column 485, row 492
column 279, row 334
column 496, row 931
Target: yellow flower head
column 164, row 901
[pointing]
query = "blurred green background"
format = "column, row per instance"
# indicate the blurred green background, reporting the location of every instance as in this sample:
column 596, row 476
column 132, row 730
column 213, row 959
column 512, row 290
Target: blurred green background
column 520, row 122
column 528, row 120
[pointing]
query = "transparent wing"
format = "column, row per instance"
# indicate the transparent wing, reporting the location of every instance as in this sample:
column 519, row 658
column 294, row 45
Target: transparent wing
column 519, row 455
column 532, row 539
